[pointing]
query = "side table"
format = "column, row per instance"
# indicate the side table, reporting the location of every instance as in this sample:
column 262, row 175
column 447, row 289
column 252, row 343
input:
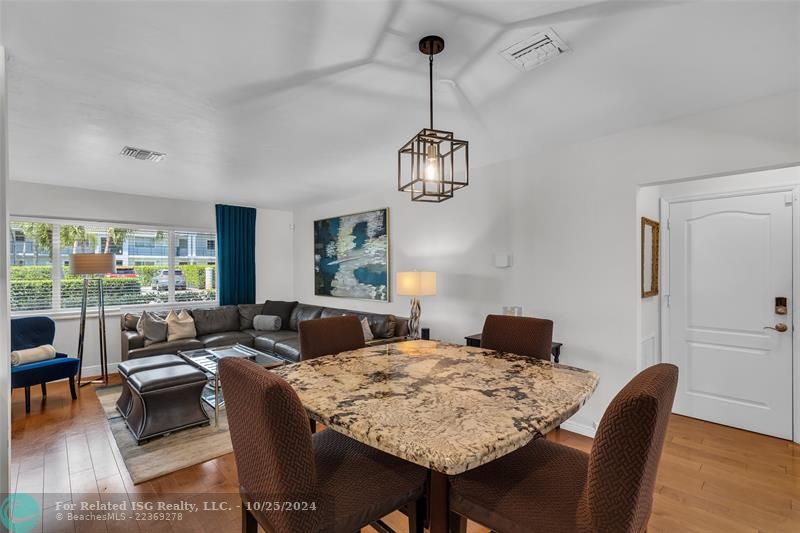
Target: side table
column 475, row 340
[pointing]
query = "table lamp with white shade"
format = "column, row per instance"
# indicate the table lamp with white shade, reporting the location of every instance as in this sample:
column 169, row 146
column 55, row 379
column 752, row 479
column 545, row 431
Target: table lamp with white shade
column 416, row 284
column 89, row 265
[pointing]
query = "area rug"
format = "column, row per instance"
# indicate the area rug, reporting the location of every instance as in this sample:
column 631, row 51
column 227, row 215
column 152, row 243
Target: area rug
column 164, row 455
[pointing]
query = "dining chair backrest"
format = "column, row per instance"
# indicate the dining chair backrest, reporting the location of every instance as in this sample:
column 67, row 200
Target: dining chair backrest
column 271, row 442
column 618, row 495
column 327, row 336
column 521, row 335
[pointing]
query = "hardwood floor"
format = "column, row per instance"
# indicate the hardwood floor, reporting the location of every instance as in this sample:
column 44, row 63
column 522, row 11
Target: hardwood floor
column 711, row 478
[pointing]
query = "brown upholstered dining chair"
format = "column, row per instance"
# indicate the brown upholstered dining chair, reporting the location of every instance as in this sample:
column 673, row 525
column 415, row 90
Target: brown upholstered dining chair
column 550, row 487
column 330, row 482
column 521, row 335
column 327, row 336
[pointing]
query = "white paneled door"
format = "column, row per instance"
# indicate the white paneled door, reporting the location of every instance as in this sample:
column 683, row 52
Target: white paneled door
column 729, row 259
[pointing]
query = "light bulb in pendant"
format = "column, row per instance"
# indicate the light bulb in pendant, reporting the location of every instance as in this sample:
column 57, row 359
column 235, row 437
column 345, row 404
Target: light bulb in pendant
column 432, row 164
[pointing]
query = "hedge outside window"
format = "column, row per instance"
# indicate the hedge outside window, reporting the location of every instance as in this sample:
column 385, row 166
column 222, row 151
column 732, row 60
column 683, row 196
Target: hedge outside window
column 196, row 261
column 31, row 266
column 142, row 258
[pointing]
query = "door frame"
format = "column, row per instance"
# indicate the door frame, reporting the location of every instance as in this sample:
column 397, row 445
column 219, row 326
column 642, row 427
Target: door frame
column 794, row 190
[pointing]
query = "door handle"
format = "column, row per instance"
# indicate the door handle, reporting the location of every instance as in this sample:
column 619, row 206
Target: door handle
column 780, row 327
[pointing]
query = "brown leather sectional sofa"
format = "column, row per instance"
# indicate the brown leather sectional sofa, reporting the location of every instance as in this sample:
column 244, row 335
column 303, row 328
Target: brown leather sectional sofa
column 223, row 326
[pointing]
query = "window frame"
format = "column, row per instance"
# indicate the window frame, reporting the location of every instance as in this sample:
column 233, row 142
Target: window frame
column 57, row 312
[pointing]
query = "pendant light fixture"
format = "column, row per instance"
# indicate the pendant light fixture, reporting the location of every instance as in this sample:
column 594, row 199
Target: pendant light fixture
column 433, row 164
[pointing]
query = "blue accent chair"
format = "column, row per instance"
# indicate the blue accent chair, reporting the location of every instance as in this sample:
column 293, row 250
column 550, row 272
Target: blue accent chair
column 29, row 332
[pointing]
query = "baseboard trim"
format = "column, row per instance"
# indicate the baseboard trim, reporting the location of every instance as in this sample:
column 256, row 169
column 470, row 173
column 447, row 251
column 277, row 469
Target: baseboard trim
column 580, row 429
column 94, row 371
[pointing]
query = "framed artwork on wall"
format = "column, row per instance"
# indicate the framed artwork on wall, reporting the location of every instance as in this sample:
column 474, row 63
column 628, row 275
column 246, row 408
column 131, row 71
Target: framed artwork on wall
column 650, row 253
column 351, row 256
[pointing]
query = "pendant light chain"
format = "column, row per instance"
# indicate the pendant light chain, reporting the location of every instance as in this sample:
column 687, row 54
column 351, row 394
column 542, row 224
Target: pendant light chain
column 430, row 84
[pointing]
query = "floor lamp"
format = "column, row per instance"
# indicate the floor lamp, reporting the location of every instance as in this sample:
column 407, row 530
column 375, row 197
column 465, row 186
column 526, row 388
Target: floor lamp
column 88, row 265
column 416, row 284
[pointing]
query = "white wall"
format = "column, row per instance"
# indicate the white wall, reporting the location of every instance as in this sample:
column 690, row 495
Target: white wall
column 457, row 239
column 649, row 344
column 31, row 199
column 569, row 217
column 274, row 259
column 5, row 343
column 576, row 224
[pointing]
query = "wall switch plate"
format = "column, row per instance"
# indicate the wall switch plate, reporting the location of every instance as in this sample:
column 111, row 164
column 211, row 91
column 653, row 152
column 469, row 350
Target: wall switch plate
column 502, row 260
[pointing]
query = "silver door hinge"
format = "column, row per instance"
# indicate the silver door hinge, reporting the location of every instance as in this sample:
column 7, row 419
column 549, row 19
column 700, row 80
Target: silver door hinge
column 667, row 299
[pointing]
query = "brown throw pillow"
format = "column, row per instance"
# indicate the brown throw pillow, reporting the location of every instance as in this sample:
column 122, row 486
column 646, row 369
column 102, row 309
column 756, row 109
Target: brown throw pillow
column 130, row 321
column 152, row 327
column 180, row 326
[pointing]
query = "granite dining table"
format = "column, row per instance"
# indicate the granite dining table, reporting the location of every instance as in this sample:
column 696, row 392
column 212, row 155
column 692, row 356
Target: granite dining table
column 446, row 407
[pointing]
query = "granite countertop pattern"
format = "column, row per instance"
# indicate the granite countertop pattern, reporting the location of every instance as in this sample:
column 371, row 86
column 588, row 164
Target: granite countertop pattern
column 443, row 406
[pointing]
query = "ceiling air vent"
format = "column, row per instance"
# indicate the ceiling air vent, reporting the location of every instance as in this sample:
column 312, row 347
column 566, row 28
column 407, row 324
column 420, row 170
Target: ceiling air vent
column 143, row 155
column 535, row 50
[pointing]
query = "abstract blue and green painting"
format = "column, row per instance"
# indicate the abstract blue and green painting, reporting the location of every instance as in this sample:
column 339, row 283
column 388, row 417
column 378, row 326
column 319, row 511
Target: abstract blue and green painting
column 351, row 256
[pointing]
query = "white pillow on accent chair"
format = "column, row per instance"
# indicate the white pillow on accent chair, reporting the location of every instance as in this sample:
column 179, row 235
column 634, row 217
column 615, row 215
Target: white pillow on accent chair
column 32, row 355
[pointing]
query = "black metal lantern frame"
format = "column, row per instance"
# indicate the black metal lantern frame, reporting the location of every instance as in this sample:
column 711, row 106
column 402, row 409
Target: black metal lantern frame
column 431, row 162
column 434, row 164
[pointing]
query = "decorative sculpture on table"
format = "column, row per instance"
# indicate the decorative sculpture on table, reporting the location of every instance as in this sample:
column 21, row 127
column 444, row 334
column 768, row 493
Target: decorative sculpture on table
column 416, row 284
column 351, row 256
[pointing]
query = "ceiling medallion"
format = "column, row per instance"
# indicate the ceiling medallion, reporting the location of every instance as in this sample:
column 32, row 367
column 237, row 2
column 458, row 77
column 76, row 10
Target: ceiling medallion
column 433, row 164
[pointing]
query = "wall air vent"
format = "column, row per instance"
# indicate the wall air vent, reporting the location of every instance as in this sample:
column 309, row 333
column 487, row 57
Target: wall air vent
column 535, row 50
column 142, row 155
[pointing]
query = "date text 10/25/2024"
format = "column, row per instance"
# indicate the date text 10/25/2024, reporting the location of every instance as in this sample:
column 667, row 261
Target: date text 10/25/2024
column 183, row 506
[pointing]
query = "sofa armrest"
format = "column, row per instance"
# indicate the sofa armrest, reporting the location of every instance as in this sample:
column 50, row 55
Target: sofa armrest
column 401, row 329
column 131, row 340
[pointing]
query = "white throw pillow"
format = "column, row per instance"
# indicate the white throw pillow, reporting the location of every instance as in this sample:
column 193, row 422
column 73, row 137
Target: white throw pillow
column 32, row 355
column 180, row 326
column 368, row 336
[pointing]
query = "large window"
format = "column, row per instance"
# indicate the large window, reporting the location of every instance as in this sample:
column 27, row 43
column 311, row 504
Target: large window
column 31, row 265
column 196, row 265
column 143, row 257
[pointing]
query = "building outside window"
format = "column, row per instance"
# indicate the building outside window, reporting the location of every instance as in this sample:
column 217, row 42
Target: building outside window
column 142, row 258
column 30, row 266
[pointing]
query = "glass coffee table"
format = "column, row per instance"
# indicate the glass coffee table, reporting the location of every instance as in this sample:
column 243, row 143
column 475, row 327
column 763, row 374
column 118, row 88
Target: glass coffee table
column 207, row 359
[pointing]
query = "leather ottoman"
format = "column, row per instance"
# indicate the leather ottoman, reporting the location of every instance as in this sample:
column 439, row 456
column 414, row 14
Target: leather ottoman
column 128, row 368
column 165, row 400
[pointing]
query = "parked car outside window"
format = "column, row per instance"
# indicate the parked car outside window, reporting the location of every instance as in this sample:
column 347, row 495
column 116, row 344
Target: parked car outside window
column 160, row 281
column 123, row 272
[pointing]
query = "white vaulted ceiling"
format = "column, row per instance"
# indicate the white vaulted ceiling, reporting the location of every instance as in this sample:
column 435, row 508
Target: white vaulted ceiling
column 285, row 103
